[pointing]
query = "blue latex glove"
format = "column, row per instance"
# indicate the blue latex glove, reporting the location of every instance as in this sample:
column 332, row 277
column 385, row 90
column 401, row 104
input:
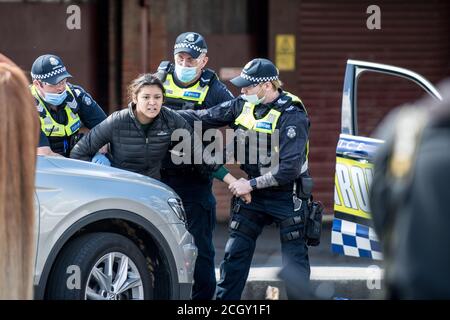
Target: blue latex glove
column 100, row 158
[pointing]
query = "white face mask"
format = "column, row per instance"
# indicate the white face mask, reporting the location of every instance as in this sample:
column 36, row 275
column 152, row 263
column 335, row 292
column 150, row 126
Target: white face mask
column 253, row 98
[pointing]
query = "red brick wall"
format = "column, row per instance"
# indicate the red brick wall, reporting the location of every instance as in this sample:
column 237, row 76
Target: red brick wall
column 28, row 30
column 160, row 40
column 131, row 46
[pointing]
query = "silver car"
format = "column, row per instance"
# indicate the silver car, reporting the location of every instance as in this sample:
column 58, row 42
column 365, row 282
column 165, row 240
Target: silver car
column 108, row 234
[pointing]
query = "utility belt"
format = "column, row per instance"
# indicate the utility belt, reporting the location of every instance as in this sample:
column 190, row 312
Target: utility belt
column 302, row 187
column 308, row 223
column 311, row 218
column 313, row 214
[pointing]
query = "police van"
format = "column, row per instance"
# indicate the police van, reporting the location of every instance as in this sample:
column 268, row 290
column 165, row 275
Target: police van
column 352, row 231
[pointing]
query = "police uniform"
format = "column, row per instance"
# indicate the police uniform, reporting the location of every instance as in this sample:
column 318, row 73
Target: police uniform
column 287, row 117
column 194, row 190
column 60, row 126
column 409, row 199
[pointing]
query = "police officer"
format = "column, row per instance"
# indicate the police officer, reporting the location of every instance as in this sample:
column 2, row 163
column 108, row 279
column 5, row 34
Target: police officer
column 409, row 198
column 63, row 107
column 189, row 85
column 264, row 108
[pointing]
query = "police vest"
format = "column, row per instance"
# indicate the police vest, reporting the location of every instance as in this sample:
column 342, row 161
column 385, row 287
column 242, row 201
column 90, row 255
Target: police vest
column 184, row 98
column 268, row 123
column 49, row 126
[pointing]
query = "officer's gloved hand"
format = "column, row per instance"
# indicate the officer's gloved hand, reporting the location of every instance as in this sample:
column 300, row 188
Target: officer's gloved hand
column 100, row 158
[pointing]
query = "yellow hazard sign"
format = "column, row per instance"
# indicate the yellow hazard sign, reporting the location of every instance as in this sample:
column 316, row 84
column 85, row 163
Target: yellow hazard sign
column 285, row 52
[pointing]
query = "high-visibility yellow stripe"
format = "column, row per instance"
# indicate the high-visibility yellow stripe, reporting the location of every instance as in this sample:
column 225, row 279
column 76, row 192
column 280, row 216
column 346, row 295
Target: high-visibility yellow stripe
column 195, row 93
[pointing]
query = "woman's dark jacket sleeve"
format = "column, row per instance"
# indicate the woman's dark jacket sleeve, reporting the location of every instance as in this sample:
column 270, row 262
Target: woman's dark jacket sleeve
column 100, row 135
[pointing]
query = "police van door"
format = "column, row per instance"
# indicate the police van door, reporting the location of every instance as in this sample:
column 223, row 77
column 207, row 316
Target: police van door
column 352, row 232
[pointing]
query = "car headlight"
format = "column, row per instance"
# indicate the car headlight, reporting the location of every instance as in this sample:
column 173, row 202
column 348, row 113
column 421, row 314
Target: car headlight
column 177, row 207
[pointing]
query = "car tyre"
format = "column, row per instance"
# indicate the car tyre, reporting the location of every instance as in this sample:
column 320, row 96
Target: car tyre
column 103, row 266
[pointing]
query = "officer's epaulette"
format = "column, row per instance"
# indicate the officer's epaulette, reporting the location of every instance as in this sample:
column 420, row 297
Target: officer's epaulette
column 300, row 105
column 77, row 90
column 207, row 76
column 164, row 68
column 293, row 105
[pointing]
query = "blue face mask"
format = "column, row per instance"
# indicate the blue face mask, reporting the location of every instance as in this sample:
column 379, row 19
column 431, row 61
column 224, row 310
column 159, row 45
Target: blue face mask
column 55, row 98
column 185, row 74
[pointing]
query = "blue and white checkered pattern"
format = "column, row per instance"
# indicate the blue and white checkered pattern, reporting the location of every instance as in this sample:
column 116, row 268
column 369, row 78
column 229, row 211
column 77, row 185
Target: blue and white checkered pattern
column 48, row 75
column 191, row 46
column 352, row 239
column 258, row 79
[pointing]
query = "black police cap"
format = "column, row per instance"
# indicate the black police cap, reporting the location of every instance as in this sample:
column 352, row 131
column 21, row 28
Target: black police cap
column 190, row 42
column 49, row 68
column 256, row 71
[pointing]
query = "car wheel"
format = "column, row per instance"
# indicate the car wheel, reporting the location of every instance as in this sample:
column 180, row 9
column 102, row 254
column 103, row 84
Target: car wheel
column 100, row 266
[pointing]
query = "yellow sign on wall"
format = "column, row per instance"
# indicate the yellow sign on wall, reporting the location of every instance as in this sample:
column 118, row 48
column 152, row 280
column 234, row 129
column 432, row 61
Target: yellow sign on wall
column 285, row 52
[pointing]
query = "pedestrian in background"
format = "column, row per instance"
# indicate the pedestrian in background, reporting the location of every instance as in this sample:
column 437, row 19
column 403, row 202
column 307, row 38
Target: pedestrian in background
column 19, row 132
column 409, row 199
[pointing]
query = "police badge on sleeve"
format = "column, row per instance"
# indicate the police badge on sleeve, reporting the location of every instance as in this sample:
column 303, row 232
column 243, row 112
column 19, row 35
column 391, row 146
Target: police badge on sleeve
column 87, row 100
column 291, row 133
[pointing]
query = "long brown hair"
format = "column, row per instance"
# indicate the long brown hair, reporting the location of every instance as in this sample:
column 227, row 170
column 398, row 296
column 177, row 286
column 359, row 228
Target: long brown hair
column 19, row 133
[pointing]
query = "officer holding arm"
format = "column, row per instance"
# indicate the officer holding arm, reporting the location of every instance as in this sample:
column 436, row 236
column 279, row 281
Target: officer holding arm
column 63, row 108
column 189, row 85
column 264, row 109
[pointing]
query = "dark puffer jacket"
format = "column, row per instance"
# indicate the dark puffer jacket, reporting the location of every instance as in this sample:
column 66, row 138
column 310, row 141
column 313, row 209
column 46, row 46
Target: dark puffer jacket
column 131, row 149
